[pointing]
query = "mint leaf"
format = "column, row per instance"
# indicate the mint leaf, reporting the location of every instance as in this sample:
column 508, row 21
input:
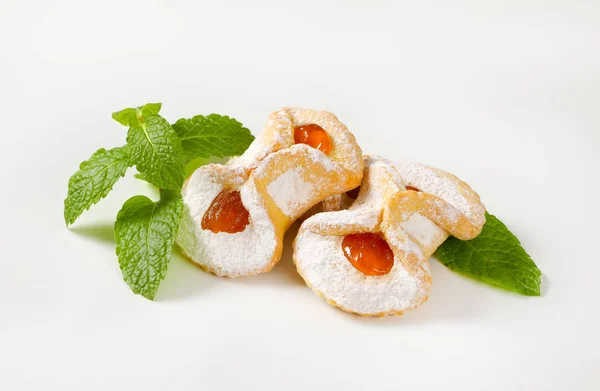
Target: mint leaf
column 156, row 152
column 145, row 232
column 494, row 257
column 134, row 116
column 94, row 180
column 212, row 135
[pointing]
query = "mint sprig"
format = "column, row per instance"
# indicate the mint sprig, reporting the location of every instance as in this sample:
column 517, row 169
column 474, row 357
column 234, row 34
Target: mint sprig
column 145, row 232
column 94, row 180
column 495, row 257
column 156, row 152
column 212, row 135
column 133, row 116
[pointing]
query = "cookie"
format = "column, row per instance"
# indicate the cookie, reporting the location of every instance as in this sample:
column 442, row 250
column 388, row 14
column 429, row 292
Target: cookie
column 372, row 259
column 235, row 215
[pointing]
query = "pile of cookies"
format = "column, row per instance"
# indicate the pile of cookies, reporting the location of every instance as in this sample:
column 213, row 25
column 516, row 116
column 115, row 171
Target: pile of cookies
column 370, row 259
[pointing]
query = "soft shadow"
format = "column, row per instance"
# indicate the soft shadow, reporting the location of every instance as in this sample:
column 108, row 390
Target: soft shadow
column 184, row 279
column 103, row 232
column 545, row 285
column 452, row 297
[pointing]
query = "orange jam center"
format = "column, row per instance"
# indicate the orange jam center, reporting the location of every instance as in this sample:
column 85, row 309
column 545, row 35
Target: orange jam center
column 369, row 253
column 313, row 135
column 412, row 188
column 226, row 213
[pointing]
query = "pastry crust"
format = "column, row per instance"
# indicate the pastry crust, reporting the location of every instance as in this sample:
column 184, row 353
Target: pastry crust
column 413, row 223
column 329, row 204
column 278, row 181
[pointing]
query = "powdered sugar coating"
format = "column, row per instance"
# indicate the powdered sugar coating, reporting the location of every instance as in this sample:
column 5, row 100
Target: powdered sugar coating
column 278, row 181
column 299, row 177
column 344, row 144
column 246, row 252
column 363, row 220
column 277, row 134
column 330, row 273
column 289, row 190
column 413, row 223
column 421, row 229
column 443, row 185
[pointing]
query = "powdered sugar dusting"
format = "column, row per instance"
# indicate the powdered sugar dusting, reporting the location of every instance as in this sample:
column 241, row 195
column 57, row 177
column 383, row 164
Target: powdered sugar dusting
column 323, row 265
column 412, row 236
column 257, row 248
column 318, row 156
column 366, row 220
column 243, row 253
column 345, row 149
column 290, row 191
column 443, row 185
column 278, row 134
column 421, row 229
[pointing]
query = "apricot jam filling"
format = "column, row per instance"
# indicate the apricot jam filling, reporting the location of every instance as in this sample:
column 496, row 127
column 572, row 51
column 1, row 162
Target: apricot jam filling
column 313, row 135
column 226, row 214
column 412, row 188
column 369, row 253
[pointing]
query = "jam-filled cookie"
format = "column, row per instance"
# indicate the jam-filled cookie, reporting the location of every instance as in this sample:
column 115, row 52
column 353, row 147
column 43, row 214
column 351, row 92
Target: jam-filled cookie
column 372, row 258
column 236, row 214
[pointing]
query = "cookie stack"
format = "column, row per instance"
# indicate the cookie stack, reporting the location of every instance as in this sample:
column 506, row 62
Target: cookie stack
column 370, row 259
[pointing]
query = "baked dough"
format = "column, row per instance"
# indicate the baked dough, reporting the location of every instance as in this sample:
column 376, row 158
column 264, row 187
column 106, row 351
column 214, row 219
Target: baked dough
column 329, row 204
column 278, row 181
column 414, row 224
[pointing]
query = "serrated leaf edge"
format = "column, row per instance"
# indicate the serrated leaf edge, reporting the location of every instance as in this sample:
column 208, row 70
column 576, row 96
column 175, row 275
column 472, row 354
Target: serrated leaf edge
column 535, row 270
column 81, row 166
column 154, row 204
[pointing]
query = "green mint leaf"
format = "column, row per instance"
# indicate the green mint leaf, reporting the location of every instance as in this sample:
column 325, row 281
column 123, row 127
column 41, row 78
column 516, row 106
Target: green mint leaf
column 495, row 257
column 94, row 180
column 156, row 152
column 134, row 116
column 212, row 135
column 145, row 232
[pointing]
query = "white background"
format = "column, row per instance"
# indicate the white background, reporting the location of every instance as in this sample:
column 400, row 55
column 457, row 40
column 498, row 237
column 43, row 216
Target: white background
column 504, row 94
